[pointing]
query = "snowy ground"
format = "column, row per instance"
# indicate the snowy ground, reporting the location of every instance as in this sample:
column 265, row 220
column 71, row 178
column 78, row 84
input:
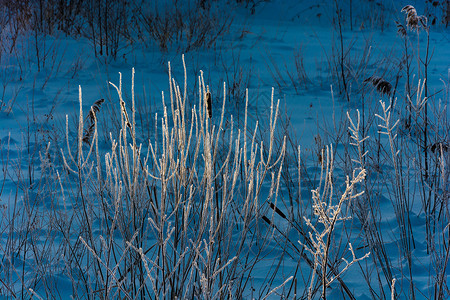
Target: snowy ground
column 258, row 53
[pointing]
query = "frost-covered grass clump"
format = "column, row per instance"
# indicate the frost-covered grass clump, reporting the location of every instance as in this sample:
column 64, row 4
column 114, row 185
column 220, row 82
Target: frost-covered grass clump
column 206, row 192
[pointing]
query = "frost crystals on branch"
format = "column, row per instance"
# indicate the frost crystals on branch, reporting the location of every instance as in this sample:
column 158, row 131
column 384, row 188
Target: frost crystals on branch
column 328, row 214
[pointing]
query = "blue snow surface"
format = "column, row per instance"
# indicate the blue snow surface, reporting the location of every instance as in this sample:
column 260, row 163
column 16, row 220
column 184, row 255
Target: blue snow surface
column 290, row 46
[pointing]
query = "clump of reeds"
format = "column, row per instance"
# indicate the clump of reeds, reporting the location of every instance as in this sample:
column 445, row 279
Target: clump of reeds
column 174, row 220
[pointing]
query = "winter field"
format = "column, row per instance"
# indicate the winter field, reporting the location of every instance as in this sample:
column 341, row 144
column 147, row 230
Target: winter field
column 224, row 149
